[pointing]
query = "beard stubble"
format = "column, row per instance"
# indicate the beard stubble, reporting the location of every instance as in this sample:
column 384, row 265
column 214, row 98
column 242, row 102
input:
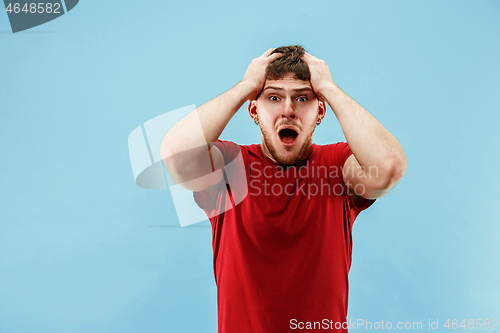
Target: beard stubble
column 295, row 159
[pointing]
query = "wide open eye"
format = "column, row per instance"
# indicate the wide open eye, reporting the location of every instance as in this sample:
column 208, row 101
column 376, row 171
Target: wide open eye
column 274, row 98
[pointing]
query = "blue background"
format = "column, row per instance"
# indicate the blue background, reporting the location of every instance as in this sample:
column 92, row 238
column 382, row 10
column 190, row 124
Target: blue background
column 78, row 248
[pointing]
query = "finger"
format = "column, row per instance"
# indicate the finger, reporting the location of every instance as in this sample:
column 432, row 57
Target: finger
column 274, row 56
column 307, row 57
column 267, row 53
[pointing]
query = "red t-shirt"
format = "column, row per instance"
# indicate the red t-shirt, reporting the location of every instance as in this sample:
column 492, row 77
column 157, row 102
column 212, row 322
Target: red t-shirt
column 282, row 240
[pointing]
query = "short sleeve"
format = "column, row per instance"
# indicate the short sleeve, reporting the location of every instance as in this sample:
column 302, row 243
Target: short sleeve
column 229, row 151
column 341, row 153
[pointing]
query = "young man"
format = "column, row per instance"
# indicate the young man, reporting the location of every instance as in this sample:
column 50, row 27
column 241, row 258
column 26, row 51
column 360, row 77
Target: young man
column 282, row 251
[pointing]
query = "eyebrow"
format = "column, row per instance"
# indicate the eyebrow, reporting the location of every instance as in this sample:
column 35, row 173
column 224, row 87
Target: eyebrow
column 279, row 88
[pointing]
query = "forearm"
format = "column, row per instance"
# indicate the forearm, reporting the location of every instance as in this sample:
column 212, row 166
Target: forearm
column 371, row 143
column 184, row 149
column 206, row 123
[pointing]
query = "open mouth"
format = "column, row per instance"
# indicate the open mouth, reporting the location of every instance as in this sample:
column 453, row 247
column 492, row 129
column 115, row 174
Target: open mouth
column 288, row 136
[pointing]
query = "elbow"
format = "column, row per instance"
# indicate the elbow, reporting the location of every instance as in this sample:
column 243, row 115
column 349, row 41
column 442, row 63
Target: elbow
column 397, row 169
column 182, row 162
column 166, row 148
column 169, row 155
column 170, row 150
column 389, row 175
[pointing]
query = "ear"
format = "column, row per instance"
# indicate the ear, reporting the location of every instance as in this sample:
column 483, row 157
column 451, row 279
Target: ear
column 252, row 108
column 321, row 110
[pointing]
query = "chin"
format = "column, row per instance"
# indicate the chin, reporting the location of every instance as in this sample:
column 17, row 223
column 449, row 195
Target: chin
column 286, row 155
column 288, row 161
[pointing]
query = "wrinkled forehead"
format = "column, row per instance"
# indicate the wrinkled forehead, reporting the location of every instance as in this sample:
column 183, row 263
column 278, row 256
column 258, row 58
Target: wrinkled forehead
column 288, row 81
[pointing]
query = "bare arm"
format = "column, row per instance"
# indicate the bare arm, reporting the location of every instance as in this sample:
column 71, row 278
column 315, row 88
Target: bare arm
column 184, row 149
column 378, row 161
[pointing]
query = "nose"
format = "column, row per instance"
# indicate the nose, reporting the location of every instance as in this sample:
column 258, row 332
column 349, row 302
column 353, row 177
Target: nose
column 288, row 111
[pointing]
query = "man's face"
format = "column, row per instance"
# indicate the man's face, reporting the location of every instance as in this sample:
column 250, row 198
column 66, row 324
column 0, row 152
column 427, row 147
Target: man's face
column 287, row 110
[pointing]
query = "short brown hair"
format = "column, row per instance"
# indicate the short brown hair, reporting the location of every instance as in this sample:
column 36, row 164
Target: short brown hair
column 290, row 62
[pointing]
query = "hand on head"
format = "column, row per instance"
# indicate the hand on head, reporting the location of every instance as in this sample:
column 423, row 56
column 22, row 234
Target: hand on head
column 255, row 75
column 319, row 73
column 321, row 78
